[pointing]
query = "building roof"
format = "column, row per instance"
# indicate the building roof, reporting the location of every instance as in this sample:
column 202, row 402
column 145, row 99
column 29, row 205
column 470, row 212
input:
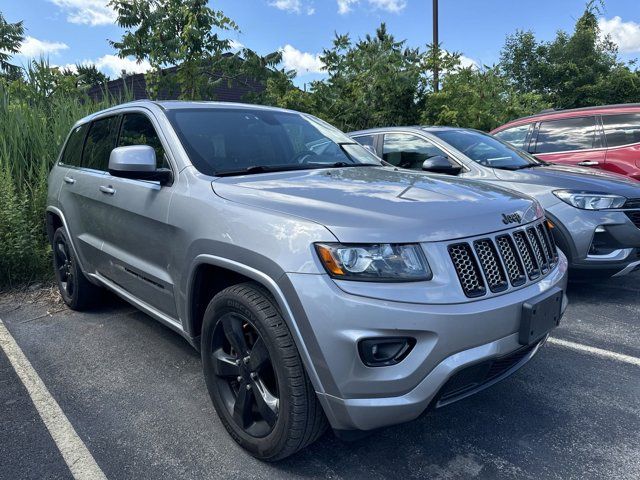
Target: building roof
column 134, row 87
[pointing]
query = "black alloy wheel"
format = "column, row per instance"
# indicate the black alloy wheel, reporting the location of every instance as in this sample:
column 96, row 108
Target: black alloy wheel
column 64, row 268
column 246, row 378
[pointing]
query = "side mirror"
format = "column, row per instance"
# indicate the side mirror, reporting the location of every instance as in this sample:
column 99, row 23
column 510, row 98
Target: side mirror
column 137, row 162
column 440, row 164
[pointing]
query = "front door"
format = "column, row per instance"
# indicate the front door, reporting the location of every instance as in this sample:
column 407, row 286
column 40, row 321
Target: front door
column 137, row 240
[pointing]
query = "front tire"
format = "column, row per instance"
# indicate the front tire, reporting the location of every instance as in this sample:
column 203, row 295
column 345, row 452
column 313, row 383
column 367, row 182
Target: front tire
column 76, row 291
column 255, row 376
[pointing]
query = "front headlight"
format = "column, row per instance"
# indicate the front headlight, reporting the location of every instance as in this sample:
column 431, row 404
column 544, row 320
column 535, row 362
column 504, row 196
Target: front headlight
column 590, row 200
column 385, row 262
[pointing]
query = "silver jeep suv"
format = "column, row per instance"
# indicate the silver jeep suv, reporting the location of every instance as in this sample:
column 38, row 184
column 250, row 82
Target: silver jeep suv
column 320, row 286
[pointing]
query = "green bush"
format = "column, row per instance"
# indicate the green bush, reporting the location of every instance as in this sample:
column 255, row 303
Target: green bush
column 36, row 114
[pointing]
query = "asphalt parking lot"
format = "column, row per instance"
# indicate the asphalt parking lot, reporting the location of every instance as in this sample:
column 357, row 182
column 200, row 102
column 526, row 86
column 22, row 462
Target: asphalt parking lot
column 134, row 393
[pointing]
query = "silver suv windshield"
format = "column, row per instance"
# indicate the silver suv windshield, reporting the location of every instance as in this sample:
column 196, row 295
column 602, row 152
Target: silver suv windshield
column 487, row 150
column 232, row 141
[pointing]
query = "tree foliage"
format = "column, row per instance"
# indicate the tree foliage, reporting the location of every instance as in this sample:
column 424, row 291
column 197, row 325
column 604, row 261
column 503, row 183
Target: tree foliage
column 372, row 82
column 479, row 98
column 184, row 34
column 573, row 70
column 11, row 37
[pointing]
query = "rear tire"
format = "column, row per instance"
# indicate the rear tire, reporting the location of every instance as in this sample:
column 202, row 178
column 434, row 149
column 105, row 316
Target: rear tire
column 76, row 291
column 249, row 356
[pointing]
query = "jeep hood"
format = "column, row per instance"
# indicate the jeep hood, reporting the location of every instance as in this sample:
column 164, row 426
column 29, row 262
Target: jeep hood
column 380, row 204
column 572, row 178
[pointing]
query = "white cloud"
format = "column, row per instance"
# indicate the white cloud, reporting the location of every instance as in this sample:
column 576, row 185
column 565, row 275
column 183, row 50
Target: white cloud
column 235, row 45
column 87, row 12
column 293, row 6
column 301, row 62
column 345, row 6
column 394, row 6
column 468, row 62
column 624, row 34
column 32, row 47
column 112, row 65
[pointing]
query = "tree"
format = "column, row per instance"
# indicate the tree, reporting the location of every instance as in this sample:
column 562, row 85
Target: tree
column 11, row 37
column 374, row 82
column 175, row 33
column 573, row 70
column 90, row 76
column 478, row 98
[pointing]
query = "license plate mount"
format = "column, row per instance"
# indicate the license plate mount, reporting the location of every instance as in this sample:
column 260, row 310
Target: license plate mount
column 539, row 315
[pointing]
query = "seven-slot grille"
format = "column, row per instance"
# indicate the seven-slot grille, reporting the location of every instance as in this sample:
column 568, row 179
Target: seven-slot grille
column 506, row 259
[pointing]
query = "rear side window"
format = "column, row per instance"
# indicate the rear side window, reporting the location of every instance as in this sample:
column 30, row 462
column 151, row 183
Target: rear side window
column 101, row 139
column 137, row 129
column 623, row 129
column 566, row 134
column 73, row 150
column 408, row 151
column 516, row 136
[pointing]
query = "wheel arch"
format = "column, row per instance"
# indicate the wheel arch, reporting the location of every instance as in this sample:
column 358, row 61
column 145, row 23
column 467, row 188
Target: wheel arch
column 197, row 289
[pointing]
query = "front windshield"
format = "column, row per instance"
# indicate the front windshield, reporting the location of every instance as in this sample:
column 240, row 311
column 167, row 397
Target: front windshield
column 486, row 150
column 232, row 140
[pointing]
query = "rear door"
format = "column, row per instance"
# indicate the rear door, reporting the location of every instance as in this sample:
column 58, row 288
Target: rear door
column 622, row 135
column 137, row 239
column 572, row 141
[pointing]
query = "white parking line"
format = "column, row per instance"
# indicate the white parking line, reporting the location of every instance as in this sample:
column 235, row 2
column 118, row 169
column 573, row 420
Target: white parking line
column 596, row 351
column 73, row 450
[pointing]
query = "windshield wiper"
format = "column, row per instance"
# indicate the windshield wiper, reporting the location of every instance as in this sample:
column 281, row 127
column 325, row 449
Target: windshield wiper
column 289, row 167
column 260, row 169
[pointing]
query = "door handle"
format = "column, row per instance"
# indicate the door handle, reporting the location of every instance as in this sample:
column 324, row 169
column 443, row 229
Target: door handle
column 108, row 190
column 589, row 163
column 69, row 180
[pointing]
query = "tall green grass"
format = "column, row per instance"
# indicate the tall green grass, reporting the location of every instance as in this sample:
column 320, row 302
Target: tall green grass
column 34, row 122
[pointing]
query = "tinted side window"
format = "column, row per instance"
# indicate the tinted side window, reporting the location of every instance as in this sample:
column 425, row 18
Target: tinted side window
column 101, row 139
column 622, row 129
column 73, row 150
column 515, row 135
column 567, row 134
column 408, row 151
column 137, row 129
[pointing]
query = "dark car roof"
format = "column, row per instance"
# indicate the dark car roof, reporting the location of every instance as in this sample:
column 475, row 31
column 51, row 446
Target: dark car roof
column 572, row 112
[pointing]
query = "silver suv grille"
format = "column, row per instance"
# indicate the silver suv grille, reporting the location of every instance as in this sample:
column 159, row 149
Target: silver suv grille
column 508, row 258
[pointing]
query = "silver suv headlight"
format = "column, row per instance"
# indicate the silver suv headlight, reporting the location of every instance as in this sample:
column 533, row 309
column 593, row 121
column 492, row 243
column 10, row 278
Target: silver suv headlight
column 384, row 262
column 590, row 200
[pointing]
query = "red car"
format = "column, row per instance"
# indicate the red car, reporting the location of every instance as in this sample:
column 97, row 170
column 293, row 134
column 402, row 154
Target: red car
column 599, row 137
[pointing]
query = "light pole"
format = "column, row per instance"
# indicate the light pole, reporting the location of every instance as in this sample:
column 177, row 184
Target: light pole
column 436, row 56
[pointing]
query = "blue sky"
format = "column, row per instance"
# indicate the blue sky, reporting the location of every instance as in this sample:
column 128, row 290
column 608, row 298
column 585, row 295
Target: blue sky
column 71, row 31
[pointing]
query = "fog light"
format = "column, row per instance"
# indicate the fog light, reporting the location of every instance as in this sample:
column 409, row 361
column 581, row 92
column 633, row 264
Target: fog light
column 385, row 351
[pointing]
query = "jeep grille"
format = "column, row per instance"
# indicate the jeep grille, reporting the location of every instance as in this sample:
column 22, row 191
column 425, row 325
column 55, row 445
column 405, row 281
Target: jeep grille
column 509, row 258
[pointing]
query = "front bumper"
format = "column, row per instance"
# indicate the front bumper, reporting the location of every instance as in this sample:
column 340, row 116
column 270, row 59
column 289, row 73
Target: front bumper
column 448, row 339
column 575, row 233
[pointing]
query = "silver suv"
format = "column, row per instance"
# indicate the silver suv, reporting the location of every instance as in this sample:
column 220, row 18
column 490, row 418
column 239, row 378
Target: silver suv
column 320, row 286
